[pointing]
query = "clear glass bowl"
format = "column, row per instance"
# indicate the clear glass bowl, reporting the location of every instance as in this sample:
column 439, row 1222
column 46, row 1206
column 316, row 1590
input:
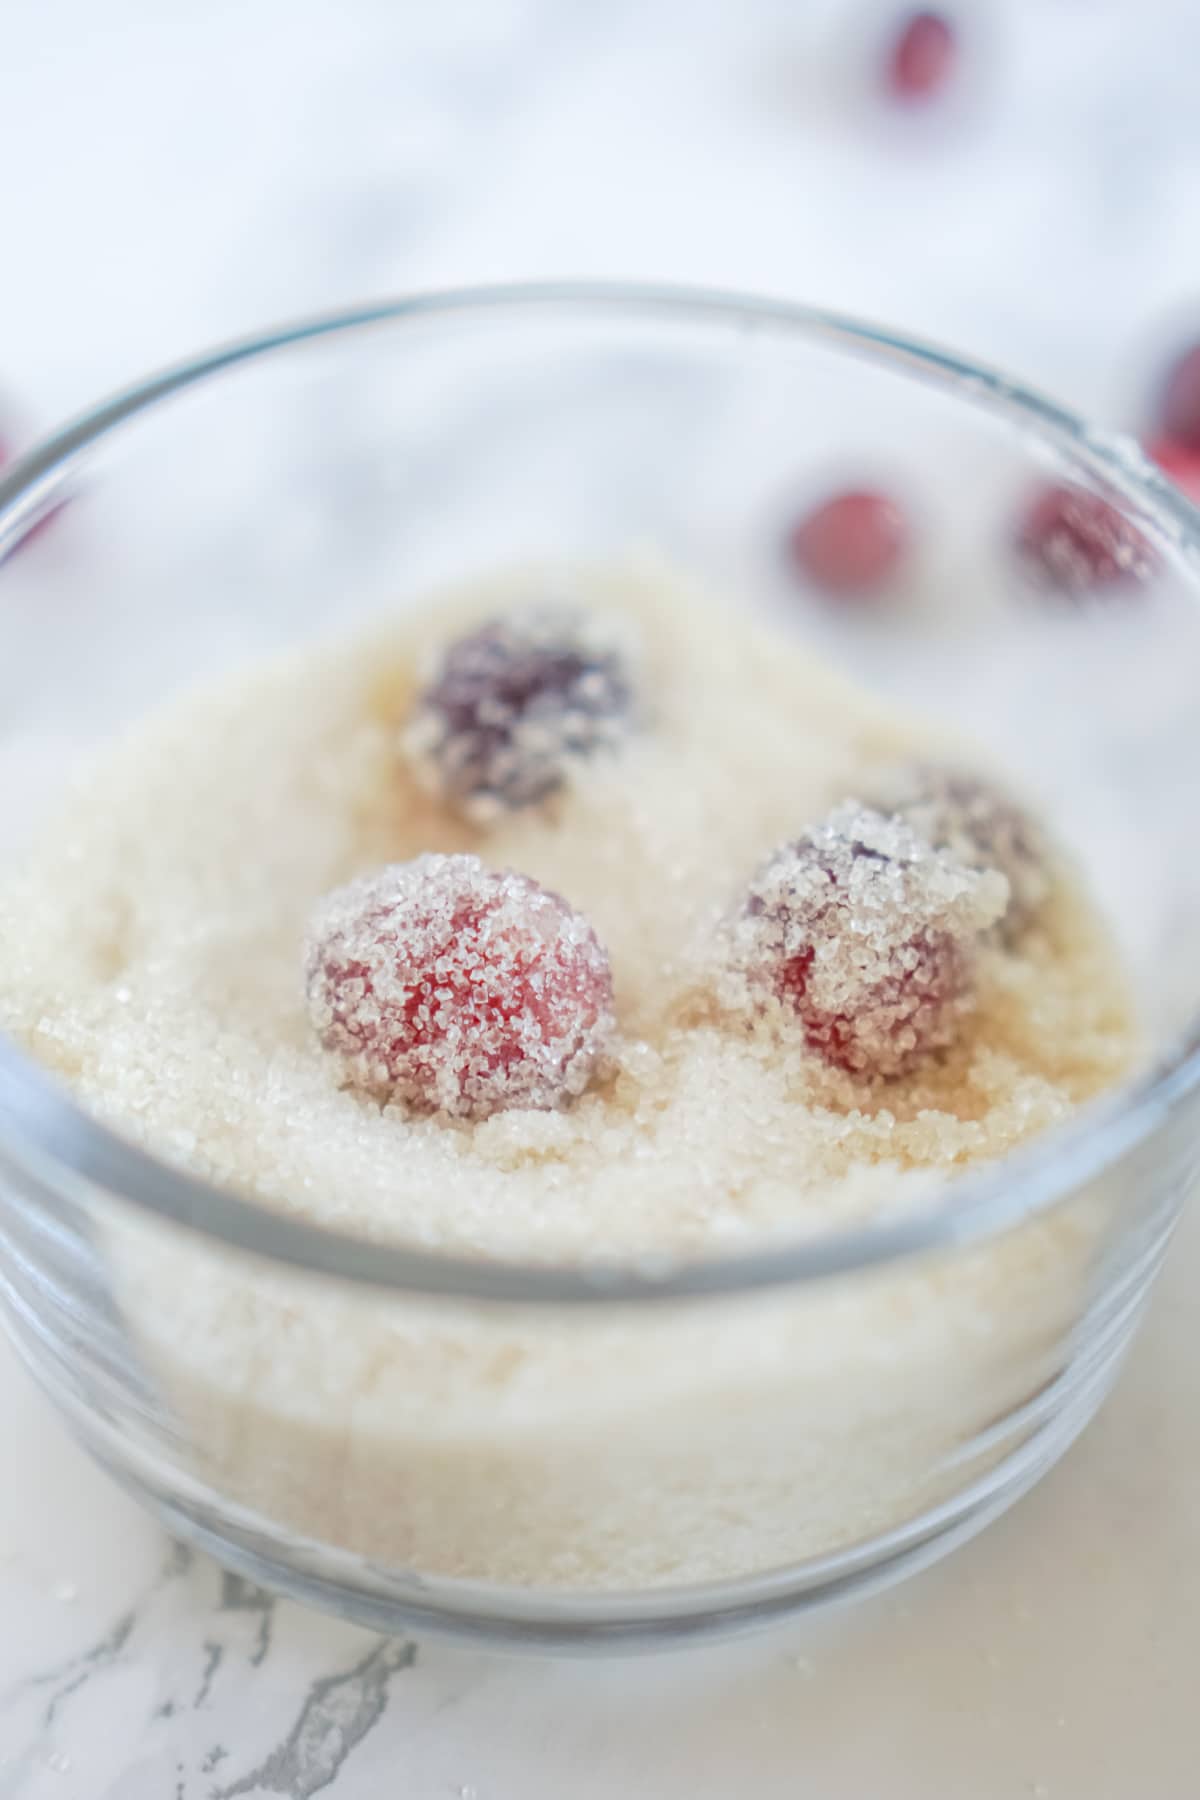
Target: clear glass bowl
column 687, row 1447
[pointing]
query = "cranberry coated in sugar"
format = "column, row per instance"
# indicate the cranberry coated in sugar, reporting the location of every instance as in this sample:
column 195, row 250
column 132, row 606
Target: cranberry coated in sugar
column 974, row 819
column 458, row 989
column 865, row 934
column 516, row 703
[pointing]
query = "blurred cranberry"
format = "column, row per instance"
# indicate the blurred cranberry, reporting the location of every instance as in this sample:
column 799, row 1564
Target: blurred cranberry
column 1179, row 400
column 1075, row 543
column 922, row 56
column 851, row 544
column 1180, row 461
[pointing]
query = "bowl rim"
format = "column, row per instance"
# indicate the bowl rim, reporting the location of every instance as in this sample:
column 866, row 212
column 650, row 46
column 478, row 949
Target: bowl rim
column 46, row 1135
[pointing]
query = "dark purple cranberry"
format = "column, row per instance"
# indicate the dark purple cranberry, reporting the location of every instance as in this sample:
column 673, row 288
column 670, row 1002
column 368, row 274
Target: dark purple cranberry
column 516, row 703
column 972, row 818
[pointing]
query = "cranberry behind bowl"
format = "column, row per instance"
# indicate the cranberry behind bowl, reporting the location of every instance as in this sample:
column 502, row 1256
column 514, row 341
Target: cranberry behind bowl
column 1181, row 462
column 922, row 57
column 1071, row 542
column 1179, row 400
column 851, row 544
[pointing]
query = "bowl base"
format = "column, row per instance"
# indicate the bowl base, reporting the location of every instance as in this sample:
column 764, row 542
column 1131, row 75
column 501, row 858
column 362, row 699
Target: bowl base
column 397, row 1603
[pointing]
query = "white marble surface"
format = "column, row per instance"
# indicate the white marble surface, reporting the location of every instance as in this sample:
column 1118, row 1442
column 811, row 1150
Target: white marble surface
column 175, row 174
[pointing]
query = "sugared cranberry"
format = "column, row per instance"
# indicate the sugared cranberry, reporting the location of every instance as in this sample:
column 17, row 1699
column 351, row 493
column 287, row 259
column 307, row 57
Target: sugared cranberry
column 515, row 704
column 866, row 934
column 922, row 56
column 458, row 989
column 851, row 544
column 976, row 821
column 1180, row 461
column 1074, row 542
column 1179, row 400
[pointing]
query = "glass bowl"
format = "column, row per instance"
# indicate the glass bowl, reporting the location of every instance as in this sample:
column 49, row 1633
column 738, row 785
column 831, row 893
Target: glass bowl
column 647, row 1450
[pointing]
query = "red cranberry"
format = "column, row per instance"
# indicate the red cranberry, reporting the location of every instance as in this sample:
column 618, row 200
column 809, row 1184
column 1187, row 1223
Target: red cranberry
column 1074, row 542
column 866, row 934
column 851, row 544
column 1179, row 461
column 515, row 704
column 922, row 56
column 1179, row 400
column 458, row 989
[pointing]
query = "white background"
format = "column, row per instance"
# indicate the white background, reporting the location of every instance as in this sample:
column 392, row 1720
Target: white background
column 173, row 173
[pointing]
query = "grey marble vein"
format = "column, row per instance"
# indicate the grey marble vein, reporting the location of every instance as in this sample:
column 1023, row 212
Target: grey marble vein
column 40, row 1725
column 74, row 1673
column 213, row 1654
column 66, row 1678
column 240, row 1595
column 337, row 1713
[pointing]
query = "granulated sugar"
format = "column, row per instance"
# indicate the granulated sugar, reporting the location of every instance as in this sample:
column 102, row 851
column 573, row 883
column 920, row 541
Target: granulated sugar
column 153, row 955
